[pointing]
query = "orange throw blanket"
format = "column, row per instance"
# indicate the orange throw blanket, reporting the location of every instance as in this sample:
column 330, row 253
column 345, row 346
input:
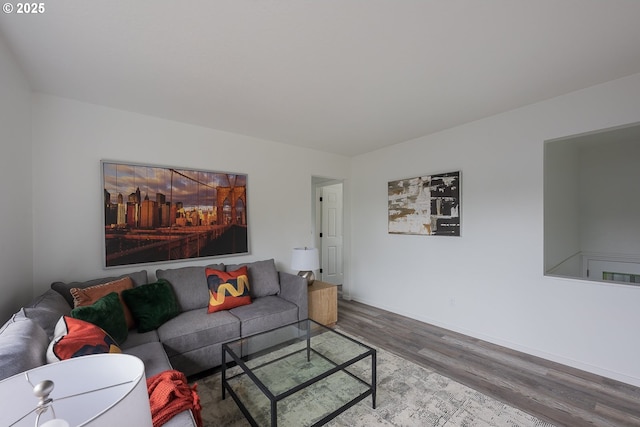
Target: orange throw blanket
column 170, row 394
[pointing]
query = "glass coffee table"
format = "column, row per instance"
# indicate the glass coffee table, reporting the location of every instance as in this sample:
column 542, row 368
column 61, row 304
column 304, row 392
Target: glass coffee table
column 302, row 374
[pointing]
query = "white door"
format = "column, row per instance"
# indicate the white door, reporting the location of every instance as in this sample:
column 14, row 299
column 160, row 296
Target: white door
column 331, row 232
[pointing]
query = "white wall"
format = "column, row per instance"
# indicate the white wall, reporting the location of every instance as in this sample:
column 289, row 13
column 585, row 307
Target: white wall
column 15, row 186
column 610, row 206
column 489, row 282
column 70, row 138
column 561, row 209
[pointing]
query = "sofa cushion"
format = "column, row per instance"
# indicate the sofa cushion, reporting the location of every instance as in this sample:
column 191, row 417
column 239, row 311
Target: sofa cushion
column 151, row 304
column 264, row 314
column 263, row 277
column 136, row 338
column 23, row 345
column 152, row 355
column 74, row 338
column 189, row 285
column 138, row 278
column 46, row 309
column 106, row 313
column 194, row 329
column 293, row 288
column 50, row 300
column 87, row 296
column 227, row 289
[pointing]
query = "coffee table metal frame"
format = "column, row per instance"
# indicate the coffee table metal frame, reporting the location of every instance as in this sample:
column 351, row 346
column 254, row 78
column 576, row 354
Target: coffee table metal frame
column 307, row 324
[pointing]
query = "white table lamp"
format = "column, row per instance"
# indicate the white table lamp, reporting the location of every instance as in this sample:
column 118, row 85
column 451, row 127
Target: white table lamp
column 305, row 260
column 98, row 390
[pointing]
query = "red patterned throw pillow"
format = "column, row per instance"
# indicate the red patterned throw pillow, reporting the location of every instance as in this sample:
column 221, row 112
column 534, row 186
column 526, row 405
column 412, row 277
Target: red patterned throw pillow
column 75, row 337
column 227, row 289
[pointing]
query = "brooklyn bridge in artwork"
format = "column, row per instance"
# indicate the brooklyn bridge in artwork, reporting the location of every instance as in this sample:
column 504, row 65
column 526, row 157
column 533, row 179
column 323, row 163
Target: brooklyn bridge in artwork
column 154, row 214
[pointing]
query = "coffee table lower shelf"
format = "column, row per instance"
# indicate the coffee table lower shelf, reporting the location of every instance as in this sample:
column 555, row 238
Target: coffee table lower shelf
column 303, row 374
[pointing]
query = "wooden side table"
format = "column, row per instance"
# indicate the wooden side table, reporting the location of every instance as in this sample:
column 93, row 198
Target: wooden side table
column 323, row 303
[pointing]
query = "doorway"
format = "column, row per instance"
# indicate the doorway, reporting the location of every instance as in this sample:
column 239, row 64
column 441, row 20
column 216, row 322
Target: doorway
column 329, row 225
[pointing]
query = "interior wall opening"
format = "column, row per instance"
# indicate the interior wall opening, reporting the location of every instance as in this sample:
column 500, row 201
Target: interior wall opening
column 591, row 206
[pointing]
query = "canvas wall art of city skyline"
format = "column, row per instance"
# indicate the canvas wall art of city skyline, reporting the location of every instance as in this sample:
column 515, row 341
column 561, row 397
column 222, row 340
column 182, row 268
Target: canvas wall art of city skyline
column 156, row 213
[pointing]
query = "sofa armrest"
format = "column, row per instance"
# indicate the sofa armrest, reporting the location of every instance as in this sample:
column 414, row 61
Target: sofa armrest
column 293, row 288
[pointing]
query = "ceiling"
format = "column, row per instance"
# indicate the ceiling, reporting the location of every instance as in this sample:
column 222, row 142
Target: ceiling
column 342, row 76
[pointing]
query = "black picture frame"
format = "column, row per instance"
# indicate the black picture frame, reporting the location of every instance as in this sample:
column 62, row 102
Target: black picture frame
column 425, row 205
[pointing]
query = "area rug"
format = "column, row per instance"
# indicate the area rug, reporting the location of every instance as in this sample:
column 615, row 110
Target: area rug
column 407, row 395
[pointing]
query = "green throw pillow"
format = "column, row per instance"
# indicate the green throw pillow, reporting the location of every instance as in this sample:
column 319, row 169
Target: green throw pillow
column 151, row 304
column 106, row 313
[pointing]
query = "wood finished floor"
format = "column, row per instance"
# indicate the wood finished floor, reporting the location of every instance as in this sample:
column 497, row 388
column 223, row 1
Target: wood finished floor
column 558, row 394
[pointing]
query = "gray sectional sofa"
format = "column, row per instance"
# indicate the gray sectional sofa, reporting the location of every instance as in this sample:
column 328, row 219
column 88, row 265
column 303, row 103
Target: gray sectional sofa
column 190, row 342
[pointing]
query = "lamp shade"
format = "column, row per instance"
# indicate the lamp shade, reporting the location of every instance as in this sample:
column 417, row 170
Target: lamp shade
column 305, row 259
column 97, row 390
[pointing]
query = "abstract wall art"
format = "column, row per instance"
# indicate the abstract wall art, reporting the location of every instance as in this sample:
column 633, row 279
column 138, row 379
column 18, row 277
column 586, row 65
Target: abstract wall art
column 425, row 205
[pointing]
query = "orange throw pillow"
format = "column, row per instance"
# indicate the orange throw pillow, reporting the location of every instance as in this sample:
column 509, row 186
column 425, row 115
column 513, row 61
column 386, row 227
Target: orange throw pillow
column 227, row 289
column 83, row 297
